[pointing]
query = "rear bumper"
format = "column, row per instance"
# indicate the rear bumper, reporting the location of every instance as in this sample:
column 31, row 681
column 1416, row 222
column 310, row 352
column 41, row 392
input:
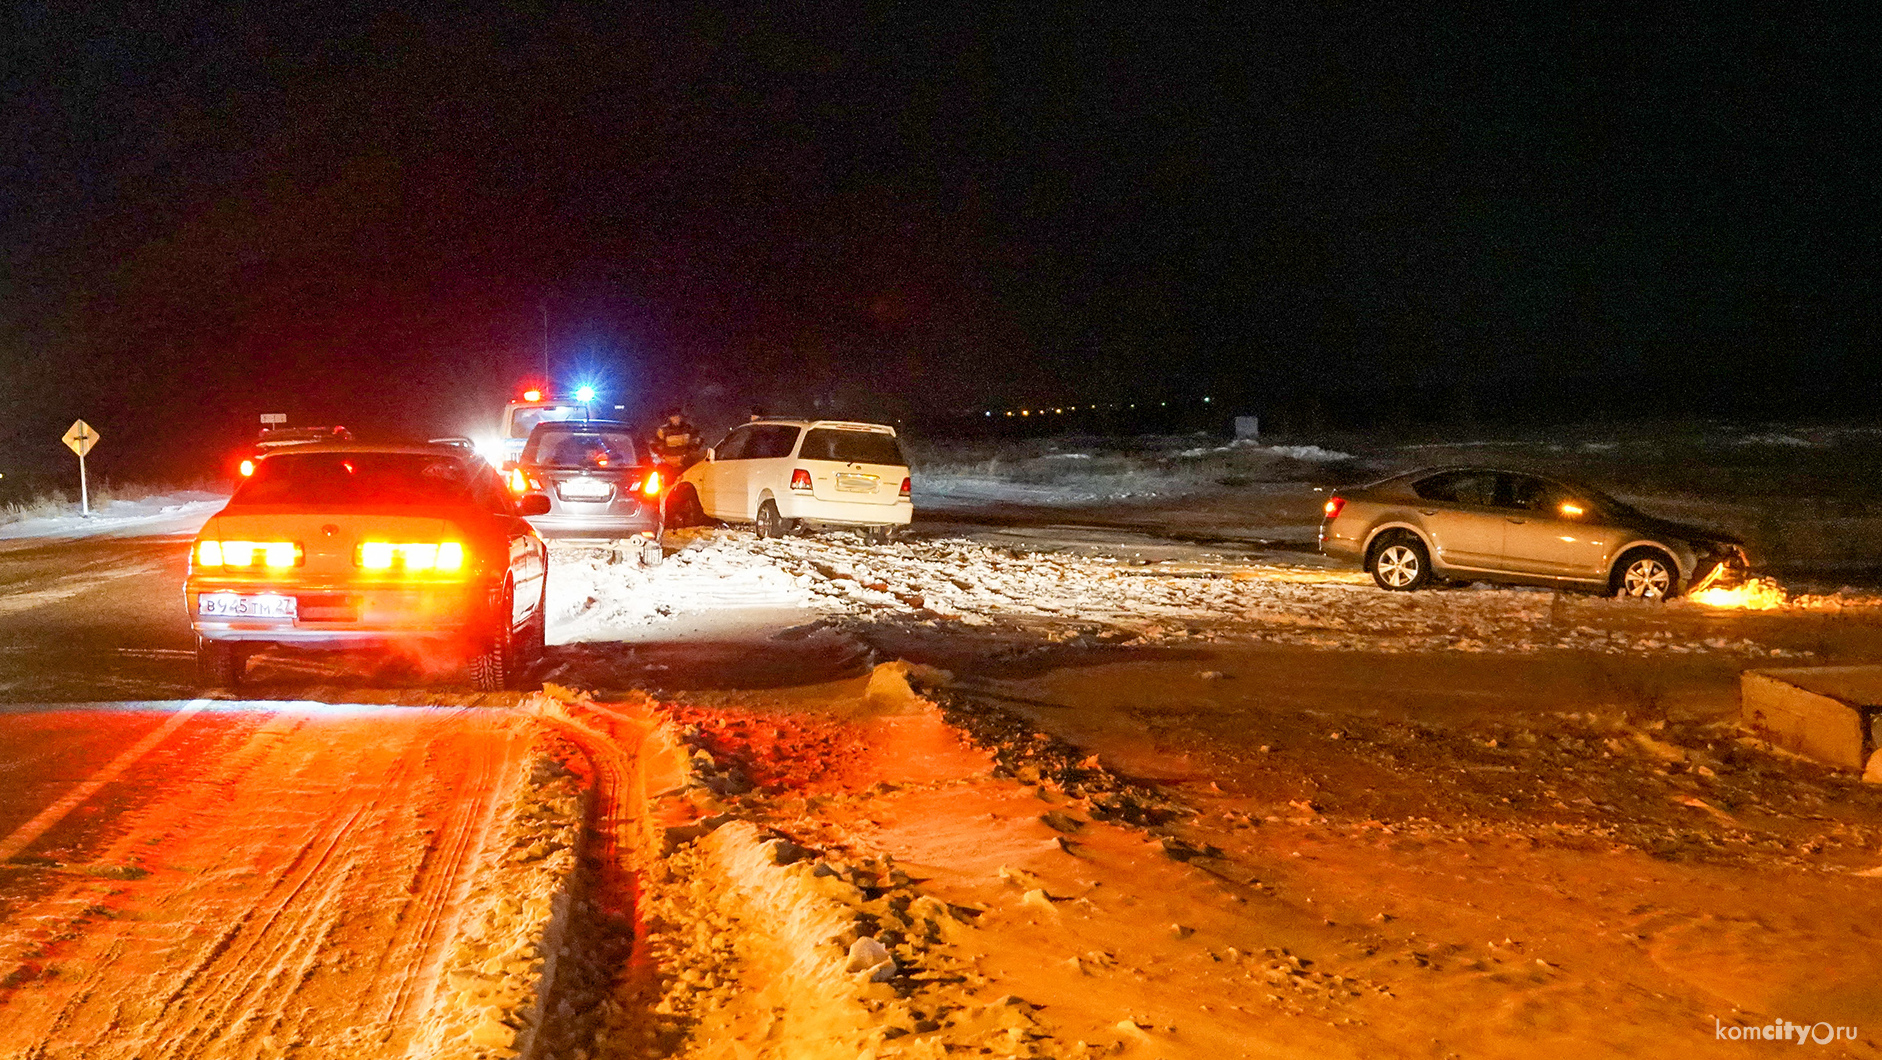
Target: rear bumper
column 1338, row 546
column 603, row 527
column 845, row 513
column 351, row 616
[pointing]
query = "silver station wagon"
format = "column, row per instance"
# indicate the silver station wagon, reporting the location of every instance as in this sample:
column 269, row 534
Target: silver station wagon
column 1488, row 524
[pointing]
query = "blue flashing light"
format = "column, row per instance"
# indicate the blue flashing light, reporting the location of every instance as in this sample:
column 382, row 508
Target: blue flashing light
column 585, row 394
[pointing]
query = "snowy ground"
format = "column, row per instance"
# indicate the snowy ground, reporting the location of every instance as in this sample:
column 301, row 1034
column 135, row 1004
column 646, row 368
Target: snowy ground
column 1182, row 790
column 181, row 512
column 728, row 579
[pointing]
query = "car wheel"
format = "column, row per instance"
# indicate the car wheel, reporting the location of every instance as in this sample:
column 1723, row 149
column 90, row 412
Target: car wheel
column 219, row 664
column 1400, row 563
column 683, row 508
column 770, row 523
column 1645, row 574
column 495, row 666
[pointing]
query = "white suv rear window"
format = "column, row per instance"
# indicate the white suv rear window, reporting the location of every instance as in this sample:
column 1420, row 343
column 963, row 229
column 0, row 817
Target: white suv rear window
column 851, row 447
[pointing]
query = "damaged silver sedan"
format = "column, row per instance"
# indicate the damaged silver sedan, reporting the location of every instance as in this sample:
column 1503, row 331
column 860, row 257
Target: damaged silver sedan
column 1487, row 524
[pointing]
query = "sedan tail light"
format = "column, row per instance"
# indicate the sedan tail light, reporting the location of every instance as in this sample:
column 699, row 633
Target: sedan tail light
column 651, row 487
column 800, row 480
column 273, row 554
column 1334, row 504
column 443, row 556
column 908, row 485
column 247, row 469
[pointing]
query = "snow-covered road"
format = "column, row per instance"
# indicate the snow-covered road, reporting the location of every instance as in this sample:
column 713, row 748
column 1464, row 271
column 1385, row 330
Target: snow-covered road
column 248, row 883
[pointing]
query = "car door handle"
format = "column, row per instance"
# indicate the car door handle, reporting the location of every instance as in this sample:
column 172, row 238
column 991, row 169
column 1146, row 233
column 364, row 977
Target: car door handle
column 1427, row 511
column 1513, row 519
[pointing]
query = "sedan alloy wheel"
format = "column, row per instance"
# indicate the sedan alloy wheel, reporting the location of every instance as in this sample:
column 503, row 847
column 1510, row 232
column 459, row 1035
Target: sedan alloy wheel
column 1646, row 577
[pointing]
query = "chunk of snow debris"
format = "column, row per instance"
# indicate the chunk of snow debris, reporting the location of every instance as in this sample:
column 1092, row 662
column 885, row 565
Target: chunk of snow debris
column 1061, row 822
column 868, row 955
column 1213, row 675
column 784, row 852
column 1872, row 774
column 1182, row 931
column 1038, row 899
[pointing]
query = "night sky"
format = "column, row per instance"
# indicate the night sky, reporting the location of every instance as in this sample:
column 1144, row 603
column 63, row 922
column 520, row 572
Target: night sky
column 1315, row 212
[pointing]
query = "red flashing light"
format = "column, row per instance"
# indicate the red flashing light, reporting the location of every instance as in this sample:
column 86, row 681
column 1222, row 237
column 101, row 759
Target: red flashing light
column 247, row 468
column 1334, row 504
column 800, row 479
column 532, row 395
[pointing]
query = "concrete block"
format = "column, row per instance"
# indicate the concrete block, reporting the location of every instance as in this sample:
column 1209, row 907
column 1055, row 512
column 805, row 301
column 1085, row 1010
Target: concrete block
column 1830, row 713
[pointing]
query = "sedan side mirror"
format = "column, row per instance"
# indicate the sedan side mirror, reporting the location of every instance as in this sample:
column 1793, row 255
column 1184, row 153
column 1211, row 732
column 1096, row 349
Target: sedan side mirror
column 712, row 454
column 533, row 504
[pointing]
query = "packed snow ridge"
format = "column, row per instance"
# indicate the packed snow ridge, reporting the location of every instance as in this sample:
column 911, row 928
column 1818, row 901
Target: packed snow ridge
column 950, row 581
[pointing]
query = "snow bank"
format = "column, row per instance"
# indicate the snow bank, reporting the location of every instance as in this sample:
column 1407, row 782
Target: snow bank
column 182, row 512
column 503, row 966
column 1096, row 471
column 761, row 939
column 724, row 578
column 593, row 595
column 1311, row 453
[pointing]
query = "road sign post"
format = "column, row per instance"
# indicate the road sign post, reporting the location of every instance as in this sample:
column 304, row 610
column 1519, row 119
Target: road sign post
column 80, row 438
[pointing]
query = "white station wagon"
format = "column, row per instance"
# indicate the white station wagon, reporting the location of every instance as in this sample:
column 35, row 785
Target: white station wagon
column 780, row 475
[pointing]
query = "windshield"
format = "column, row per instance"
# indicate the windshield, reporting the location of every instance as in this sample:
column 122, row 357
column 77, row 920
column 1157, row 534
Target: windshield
column 854, row 447
column 579, row 448
column 524, row 420
column 357, row 478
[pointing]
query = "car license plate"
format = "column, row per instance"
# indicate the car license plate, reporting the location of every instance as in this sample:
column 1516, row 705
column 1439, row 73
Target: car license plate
column 856, row 483
column 585, row 489
column 240, row 605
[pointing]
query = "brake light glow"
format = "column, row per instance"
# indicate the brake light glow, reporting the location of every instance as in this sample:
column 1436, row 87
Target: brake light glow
column 651, row 487
column 519, row 483
column 273, row 554
column 247, row 468
column 907, row 486
column 411, row 556
column 1334, row 504
column 800, row 479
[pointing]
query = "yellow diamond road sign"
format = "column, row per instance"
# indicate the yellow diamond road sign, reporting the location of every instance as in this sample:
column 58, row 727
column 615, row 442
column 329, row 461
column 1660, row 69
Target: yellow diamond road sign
column 81, row 437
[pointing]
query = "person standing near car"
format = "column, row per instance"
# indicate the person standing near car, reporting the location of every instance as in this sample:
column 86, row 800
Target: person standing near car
column 676, row 442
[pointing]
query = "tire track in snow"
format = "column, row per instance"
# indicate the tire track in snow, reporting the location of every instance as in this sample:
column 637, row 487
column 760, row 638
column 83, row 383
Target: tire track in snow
column 441, row 883
column 243, row 945
column 192, row 1019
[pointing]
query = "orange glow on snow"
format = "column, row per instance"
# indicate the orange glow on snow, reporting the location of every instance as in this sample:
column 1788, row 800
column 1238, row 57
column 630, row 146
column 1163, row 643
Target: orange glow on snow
column 1758, row 594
